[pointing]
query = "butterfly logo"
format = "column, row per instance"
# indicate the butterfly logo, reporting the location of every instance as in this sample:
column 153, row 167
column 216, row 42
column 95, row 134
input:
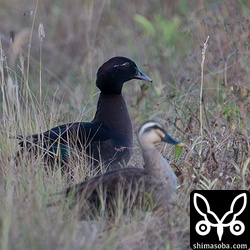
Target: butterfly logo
column 236, row 227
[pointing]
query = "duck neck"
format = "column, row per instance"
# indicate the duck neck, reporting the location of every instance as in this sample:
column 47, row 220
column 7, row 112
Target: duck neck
column 157, row 166
column 112, row 112
column 152, row 159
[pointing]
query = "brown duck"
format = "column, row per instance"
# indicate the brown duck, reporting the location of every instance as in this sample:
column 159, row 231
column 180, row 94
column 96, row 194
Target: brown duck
column 124, row 189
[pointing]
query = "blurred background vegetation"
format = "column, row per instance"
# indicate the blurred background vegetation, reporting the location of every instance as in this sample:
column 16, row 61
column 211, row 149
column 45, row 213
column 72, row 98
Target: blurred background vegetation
column 163, row 37
column 48, row 79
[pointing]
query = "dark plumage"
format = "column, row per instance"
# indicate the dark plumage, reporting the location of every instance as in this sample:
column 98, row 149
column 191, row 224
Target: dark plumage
column 108, row 138
column 129, row 188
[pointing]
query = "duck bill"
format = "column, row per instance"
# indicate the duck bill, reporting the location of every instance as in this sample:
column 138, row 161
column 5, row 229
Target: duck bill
column 171, row 140
column 140, row 76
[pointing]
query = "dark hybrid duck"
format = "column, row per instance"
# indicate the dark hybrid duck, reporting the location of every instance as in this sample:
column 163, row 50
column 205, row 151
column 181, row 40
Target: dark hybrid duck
column 108, row 138
column 128, row 188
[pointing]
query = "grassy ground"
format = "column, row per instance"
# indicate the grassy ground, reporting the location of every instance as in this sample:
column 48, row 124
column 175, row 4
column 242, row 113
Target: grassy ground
column 204, row 100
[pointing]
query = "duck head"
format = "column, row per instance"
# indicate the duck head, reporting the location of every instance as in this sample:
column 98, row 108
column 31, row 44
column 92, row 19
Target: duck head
column 115, row 72
column 152, row 132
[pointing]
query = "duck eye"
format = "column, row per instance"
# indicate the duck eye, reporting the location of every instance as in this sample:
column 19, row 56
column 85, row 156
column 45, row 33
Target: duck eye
column 126, row 64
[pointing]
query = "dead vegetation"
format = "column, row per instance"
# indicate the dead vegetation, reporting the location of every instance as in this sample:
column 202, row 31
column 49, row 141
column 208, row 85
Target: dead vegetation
column 51, row 82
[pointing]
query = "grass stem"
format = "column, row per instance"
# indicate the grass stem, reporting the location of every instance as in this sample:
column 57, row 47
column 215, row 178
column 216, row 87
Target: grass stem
column 201, row 90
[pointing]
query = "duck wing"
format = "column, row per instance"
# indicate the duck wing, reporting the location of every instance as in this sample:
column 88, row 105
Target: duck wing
column 104, row 192
column 79, row 134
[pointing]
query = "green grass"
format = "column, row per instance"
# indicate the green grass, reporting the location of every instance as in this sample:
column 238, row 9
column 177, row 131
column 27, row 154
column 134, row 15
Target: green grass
column 52, row 81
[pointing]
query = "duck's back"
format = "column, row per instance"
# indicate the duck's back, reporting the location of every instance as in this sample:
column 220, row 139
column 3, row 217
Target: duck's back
column 115, row 191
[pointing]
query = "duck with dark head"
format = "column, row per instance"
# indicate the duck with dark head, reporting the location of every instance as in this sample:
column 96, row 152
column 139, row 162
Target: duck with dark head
column 108, row 139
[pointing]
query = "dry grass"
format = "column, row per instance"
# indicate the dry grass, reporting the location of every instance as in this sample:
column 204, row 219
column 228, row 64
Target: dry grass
column 49, row 81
